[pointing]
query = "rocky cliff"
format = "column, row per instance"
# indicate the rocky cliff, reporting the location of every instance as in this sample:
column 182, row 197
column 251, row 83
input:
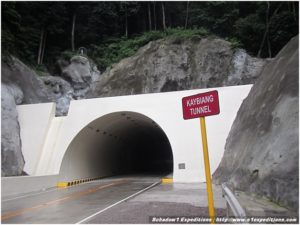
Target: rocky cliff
column 22, row 85
column 164, row 65
column 262, row 150
column 12, row 160
column 18, row 85
column 174, row 64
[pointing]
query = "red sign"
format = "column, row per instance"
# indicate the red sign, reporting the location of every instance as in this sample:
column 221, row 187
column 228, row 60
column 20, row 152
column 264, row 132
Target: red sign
column 201, row 105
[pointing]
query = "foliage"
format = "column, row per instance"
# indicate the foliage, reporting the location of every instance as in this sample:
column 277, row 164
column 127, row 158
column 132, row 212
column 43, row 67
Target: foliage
column 67, row 55
column 246, row 27
column 40, row 69
column 217, row 16
column 115, row 49
column 113, row 30
column 187, row 33
column 10, row 27
column 235, row 43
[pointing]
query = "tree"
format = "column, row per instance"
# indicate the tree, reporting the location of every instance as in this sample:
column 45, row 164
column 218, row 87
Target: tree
column 187, row 14
column 41, row 50
column 154, row 14
column 149, row 16
column 163, row 16
column 126, row 20
column 51, row 16
column 129, row 9
column 75, row 9
column 73, row 32
column 10, row 26
column 100, row 20
column 266, row 33
column 37, row 32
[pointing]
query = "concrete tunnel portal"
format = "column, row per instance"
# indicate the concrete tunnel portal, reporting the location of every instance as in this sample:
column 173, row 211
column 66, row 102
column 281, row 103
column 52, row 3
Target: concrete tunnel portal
column 119, row 143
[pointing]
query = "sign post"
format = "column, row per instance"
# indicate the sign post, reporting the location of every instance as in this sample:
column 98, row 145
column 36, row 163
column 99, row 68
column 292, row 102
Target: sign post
column 202, row 105
column 211, row 208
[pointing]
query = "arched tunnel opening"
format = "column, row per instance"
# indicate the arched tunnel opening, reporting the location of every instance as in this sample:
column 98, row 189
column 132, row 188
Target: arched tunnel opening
column 121, row 143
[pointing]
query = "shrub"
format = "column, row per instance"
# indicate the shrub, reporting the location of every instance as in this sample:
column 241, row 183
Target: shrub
column 115, row 49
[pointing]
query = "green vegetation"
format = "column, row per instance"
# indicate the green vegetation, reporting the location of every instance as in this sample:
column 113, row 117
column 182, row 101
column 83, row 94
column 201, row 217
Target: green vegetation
column 40, row 32
column 40, row 69
column 115, row 49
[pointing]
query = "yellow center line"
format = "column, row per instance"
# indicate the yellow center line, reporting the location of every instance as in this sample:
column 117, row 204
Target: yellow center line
column 69, row 197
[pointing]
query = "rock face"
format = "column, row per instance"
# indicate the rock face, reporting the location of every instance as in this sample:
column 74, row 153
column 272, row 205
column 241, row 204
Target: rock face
column 18, row 85
column 178, row 64
column 262, row 149
column 11, row 154
column 80, row 73
column 21, row 85
column 17, row 73
column 59, row 91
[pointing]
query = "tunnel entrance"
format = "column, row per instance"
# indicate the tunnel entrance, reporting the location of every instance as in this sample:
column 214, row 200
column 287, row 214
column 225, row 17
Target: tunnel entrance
column 121, row 143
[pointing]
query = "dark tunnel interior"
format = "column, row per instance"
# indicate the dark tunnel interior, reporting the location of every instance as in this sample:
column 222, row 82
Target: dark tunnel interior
column 121, row 143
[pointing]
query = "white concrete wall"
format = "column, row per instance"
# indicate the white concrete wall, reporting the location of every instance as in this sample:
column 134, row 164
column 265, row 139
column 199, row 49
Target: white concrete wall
column 34, row 120
column 45, row 164
column 163, row 108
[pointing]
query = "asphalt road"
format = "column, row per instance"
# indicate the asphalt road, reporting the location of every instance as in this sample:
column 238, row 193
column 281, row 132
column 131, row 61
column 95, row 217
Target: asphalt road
column 76, row 204
column 180, row 202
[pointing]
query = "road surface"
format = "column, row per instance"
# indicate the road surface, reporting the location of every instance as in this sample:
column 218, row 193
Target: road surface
column 74, row 204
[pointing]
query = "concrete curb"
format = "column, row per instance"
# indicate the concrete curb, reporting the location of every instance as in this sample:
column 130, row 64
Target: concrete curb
column 166, row 180
column 64, row 184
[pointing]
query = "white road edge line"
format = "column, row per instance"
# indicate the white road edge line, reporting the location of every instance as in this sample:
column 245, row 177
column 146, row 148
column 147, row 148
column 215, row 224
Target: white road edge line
column 123, row 200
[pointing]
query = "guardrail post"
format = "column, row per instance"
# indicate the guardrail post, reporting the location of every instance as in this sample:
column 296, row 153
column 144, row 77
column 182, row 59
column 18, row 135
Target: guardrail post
column 232, row 203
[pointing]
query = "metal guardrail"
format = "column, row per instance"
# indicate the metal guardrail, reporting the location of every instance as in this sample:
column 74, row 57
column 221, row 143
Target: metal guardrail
column 231, row 200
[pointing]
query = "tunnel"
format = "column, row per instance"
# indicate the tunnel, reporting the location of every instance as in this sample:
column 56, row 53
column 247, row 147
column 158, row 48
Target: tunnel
column 119, row 143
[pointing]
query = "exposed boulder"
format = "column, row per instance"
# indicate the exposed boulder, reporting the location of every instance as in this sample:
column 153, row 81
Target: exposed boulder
column 37, row 89
column 59, row 91
column 262, row 150
column 12, row 161
column 243, row 69
column 178, row 64
column 21, row 85
column 17, row 73
column 80, row 73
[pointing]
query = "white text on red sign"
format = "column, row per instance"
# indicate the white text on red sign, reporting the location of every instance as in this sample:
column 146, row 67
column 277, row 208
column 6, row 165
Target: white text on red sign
column 201, row 105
